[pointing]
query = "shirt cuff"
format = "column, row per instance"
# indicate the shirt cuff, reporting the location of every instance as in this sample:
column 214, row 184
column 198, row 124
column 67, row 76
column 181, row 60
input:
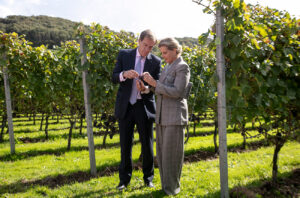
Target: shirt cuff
column 122, row 79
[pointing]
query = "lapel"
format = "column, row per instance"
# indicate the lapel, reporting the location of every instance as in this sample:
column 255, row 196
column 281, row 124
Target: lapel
column 163, row 74
column 131, row 62
column 132, row 58
column 147, row 65
column 172, row 67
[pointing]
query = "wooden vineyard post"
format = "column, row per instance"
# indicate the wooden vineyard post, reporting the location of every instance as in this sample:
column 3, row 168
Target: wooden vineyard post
column 221, row 103
column 8, row 108
column 88, row 112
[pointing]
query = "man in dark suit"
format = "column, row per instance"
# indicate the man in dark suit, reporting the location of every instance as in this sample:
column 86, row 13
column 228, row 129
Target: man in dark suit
column 136, row 108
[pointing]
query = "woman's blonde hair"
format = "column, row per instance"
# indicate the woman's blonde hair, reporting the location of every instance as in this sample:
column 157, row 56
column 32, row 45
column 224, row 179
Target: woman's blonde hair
column 170, row 44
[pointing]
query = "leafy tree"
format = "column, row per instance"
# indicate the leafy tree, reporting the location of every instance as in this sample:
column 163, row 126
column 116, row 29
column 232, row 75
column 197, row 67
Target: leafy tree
column 67, row 83
column 261, row 50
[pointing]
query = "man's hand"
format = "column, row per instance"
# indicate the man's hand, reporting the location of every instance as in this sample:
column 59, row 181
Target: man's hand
column 149, row 79
column 130, row 74
column 140, row 85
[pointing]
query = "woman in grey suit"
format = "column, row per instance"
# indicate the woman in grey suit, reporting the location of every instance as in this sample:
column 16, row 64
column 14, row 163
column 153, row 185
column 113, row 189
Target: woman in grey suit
column 171, row 113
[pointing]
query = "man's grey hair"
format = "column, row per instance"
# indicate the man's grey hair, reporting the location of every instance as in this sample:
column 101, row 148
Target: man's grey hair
column 148, row 34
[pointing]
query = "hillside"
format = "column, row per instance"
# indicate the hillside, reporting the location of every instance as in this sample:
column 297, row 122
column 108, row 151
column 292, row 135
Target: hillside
column 52, row 30
column 188, row 41
column 40, row 29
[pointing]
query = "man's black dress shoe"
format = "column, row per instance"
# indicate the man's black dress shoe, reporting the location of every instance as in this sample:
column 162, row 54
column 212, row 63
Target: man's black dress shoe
column 122, row 185
column 149, row 184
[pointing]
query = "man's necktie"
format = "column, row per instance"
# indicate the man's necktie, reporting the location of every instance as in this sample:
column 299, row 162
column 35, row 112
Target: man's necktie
column 134, row 91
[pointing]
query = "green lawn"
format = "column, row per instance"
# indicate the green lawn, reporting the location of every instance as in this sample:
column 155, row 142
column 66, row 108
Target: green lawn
column 48, row 169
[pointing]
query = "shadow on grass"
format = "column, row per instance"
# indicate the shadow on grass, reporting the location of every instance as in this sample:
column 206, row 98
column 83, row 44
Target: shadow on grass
column 64, row 179
column 98, row 193
column 156, row 194
column 198, row 154
column 41, row 138
column 287, row 185
column 57, row 181
column 34, row 131
column 208, row 153
column 31, row 123
column 19, row 124
column 108, row 170
column 113, row 192
column 208, row 132
column 38, row 120
column 57, row 152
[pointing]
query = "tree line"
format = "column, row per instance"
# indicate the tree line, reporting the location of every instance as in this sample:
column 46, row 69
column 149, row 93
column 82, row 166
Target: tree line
column 40, row 29
column 51, row 31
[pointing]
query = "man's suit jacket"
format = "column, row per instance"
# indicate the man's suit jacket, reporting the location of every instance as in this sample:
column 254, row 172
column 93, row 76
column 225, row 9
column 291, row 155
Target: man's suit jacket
column 126, row 61
column 171, row 105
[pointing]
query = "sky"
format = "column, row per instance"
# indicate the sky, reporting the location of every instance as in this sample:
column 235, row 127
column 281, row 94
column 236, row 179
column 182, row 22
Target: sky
column 166, row 18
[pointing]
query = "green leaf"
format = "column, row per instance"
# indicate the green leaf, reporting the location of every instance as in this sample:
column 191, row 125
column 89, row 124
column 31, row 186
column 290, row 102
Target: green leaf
column 232, row 54
column 236, row 40
column 261, row 30
column 254, row 42
column 236, row 4
column 273, row 38
column 291, row 94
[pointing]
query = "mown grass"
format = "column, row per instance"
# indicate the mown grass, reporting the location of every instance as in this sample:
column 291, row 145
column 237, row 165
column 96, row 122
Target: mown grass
column 200, row 179
column 36, row 168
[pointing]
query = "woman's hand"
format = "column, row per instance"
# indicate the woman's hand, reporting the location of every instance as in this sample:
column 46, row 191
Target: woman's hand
column 149, row 79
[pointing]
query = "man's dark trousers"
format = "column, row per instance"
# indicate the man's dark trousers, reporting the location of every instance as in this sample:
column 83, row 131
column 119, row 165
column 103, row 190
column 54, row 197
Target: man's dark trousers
column 136, row 115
